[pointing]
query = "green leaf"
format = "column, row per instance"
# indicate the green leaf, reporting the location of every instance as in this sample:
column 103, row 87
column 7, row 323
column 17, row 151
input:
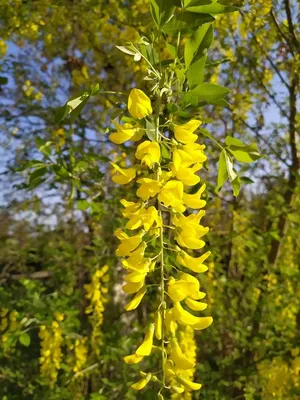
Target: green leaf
column 211, row 9
column 186, row 22
column 207, row 92
column 222, row 170
column 83, row 205
column 241, row 151
column 73, row 107
column 195, row 73
column 229, row 165
column 150, row 131
column 163, row 10
column 199, row 42
column 236, row 186
column 196, row 2
column 127, row 50
column 246, row 180
column 35, row 177
column 171, row 49
column 24, row 339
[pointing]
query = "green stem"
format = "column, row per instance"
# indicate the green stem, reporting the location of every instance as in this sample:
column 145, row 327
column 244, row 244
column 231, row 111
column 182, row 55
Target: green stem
column 162, row 265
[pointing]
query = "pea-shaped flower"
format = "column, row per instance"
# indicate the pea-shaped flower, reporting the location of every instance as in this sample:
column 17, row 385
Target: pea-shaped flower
column 148, row 152
column 139, row 104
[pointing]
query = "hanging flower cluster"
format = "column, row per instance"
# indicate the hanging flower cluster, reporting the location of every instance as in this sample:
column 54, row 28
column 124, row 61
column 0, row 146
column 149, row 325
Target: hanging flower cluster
column 169, row 209
column 51, row 354
column 188, row 346
column 96, row 295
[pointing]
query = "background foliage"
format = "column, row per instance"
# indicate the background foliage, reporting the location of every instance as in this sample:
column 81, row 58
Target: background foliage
column 59, row 207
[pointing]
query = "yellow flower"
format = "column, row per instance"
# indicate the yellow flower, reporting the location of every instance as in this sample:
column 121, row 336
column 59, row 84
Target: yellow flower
column 189, row 384
column 128, row 244
column 170, row 322
column 124, row 133
column 195, row 152
column 183, row 317
column 158, row 325
column 178, row 357
column 139, row 105
column 184, row 133
column 190, row 232
column 130, row 207
column 171, row 195
column 141, row 383
column 133, row 359
column 123, row 175
column 180, row 289
column 194, row 200
column 149, row 188
column 195, row 264
column 146, row 347
column 134, row 303
column 182, row 170
column 134, row 287
column 148, row 152
column 146, row 218
column 195, row 305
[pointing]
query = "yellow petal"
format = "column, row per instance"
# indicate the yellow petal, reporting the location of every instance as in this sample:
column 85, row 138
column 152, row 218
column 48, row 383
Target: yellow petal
column 189, row 384
column 158, row 325
column 178, row 357
column 195, row 305
column 133, row 359
column 183, row 317
column 148, row 152
column 180, row 289
column 139, row 104
column 130, row 288
column 146, row 347
column 142, row 383
column 134, row 303
column 149, row 188
column 195, row 264
column 134, row 277
column 123, row 175
column 184, row 133
column 204, row 323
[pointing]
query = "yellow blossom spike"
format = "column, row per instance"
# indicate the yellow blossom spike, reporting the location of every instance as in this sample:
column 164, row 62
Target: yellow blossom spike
column 189, row 384
column 123, row 175
column 130, row 288
column 158, row 325
column 124, row 133
column 148, row 152
column 134, row 303
column 134, row 277
column 195, row 264
column 178, row 357
column 194, row 200
column 146, row 347
column 142, row 383
column 195, row 305
column 139, row 104
column 149, row 188
column 133, row 359
column 184, row 133
column 171, row 195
